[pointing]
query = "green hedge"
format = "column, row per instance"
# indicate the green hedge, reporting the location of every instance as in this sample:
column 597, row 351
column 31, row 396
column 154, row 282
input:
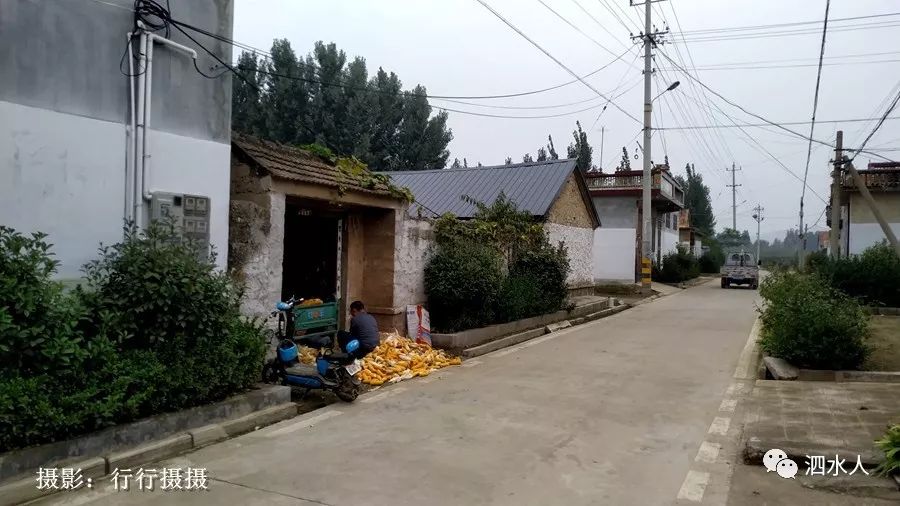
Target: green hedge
column 810, row 324
column 462, row 282
column 155, row 329
column 677, row 267
column 872, row 277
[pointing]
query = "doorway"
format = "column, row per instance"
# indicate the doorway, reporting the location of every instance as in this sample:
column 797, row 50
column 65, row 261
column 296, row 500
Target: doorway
column 310, row 266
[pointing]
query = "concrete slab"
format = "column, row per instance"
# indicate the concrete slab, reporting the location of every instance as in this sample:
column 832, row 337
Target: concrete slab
column 207, row 434
column 780, row 369
column 156, row 450
column 611, row 412
column 259, row 419
column 817, row 418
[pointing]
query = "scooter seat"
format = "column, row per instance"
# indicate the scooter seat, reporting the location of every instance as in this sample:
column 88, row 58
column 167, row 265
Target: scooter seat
column 317, row 342
column 302, row 370
column 339, row 358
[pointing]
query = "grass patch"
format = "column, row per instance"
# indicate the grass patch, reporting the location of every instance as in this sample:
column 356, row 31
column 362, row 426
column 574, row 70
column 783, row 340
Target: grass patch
column 884, row 338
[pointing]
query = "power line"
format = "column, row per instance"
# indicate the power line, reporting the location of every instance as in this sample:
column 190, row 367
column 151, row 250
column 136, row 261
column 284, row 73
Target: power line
column 791, row 33
column 599, row 23
column 561, row 64
column 812, row 124
column 783, row 25
column 877, row 126
column 703, row 127
column 796, row 66
column 579, row 30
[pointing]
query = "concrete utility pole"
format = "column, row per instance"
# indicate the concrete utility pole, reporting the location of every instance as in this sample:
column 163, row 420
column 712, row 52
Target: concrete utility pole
column 759, row 218
column 834, row 236
column 649, row 38
column 733, row 197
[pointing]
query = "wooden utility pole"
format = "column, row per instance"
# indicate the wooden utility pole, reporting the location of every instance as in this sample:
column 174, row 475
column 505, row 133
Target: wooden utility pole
column 834, row 236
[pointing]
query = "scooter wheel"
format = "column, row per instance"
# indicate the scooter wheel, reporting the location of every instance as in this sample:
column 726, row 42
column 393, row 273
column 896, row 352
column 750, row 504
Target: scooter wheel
column 270, row 374
column 347, row 390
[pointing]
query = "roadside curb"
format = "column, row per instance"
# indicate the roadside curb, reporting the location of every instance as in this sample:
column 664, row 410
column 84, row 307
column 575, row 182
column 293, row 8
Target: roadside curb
column 25, row 489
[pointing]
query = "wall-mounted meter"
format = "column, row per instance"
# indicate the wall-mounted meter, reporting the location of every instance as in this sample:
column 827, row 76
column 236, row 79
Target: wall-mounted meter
column 190, row 214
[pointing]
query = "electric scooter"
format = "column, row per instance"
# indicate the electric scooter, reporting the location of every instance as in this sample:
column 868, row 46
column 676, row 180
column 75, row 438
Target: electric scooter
column 334, row 371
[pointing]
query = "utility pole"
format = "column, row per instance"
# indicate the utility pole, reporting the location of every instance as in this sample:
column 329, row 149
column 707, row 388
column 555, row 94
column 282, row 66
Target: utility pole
column 834, row 236
column 602, row 132
column 649, row 38
column 733, row 187
column 759, row 218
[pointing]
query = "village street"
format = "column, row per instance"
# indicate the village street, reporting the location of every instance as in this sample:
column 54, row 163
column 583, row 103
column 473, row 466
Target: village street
column 611, row 412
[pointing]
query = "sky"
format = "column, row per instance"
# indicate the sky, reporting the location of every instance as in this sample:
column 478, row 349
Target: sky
column 459, row 48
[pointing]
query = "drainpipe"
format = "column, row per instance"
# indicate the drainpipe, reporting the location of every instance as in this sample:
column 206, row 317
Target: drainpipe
column 145, row 94
column 131, row 144
column 140, row 131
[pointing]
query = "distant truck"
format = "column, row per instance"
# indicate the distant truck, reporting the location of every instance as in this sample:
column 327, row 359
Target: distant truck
column 740, row 269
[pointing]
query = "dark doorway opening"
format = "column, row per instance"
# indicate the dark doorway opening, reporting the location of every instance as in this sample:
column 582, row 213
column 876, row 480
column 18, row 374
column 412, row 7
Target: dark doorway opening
column 310, row 266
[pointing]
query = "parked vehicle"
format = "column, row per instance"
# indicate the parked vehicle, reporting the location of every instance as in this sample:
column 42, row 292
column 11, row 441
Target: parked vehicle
column 334, row 371
column 740, row 269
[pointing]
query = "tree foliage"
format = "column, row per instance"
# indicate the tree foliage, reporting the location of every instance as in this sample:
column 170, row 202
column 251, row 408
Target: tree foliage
column 696, row 199
column 580, row 149
column 295, row 100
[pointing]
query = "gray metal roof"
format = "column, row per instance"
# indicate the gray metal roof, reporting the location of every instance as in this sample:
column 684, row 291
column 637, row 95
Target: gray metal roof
column 532, row 186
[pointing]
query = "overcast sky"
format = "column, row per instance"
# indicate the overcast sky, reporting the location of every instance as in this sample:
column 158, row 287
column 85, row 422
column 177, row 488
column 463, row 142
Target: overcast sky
column 457, row 47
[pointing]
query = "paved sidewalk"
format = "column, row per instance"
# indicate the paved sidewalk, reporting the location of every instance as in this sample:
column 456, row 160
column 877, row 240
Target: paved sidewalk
column 819, row 418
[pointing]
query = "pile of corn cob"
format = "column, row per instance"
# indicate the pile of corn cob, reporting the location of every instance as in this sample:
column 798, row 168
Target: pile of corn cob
column 398, row 358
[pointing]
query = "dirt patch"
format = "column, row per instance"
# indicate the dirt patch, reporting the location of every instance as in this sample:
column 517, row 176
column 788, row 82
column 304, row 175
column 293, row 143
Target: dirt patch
column 885, row 341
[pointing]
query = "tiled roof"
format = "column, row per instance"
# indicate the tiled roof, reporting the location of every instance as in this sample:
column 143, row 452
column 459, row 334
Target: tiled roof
column 289, row 162
column 532, row 186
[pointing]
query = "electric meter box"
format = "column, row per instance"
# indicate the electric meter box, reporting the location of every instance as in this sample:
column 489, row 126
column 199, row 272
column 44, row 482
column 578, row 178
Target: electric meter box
column 190, row 214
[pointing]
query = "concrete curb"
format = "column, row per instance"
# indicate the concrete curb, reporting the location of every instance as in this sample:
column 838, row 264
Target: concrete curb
column 25, row 489
column 506, row 342
column 782, row 370
column 755, row 449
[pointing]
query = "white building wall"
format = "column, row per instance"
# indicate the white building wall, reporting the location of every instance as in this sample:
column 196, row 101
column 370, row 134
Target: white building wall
column 613, row 255
column 668, row 241
column 64, row 175
column 579, row 243
column 414, row 240
column 864, row 235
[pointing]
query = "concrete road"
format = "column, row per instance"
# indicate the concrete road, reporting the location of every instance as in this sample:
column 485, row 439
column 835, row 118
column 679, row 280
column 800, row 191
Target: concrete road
column 632, row 409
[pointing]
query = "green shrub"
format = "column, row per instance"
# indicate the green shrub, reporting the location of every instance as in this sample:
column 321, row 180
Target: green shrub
column 536, row 284
column 462, row 281
column 890, row 445
column 157, row 329
column 677, row 267
column 872, row 277
column 709, row 264
column 810, row 324
column 38, row 321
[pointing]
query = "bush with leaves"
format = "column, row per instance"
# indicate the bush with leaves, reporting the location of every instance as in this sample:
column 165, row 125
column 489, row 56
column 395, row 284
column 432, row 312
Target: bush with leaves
column 872, row 277
column 536, row 284
column 810, row 324
column 462, row 281
column 677, row 267
column 38, row 321
column 890, row 445
column 156, row 329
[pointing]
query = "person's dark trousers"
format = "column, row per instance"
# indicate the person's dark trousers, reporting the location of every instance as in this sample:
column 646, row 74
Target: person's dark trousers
column 344, row 338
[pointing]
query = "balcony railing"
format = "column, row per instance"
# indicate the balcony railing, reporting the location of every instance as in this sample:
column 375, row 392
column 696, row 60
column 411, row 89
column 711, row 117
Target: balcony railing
column 876, row 179
column 663, row 182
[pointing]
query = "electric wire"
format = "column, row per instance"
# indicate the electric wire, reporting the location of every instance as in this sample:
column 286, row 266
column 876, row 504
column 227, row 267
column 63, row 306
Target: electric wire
column 579, row 30
column 555, row 60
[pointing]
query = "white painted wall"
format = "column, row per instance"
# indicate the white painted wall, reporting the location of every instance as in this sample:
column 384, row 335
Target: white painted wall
column 65, row 175
column 613, row 255
column 863, row 235
column 413, row 239
column 579, row 242
column 668, row 241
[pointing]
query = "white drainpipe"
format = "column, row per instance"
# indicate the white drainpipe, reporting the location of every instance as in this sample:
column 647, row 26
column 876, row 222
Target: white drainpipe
column 144, row 109
column 130, row 134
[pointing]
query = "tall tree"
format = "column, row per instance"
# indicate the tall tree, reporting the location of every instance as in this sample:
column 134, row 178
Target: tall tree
column 541, row 154
column 551, row 149
column 246, row 109
column 508, row 160
column 423, row 139
column 387, row 116
column 625, row 163
column 456, row 164
column 329, row 105
column 580, row 150
column 696, row 199
column 357, row 123
column 465, row 163
column 527, row 158
column 286, row 101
